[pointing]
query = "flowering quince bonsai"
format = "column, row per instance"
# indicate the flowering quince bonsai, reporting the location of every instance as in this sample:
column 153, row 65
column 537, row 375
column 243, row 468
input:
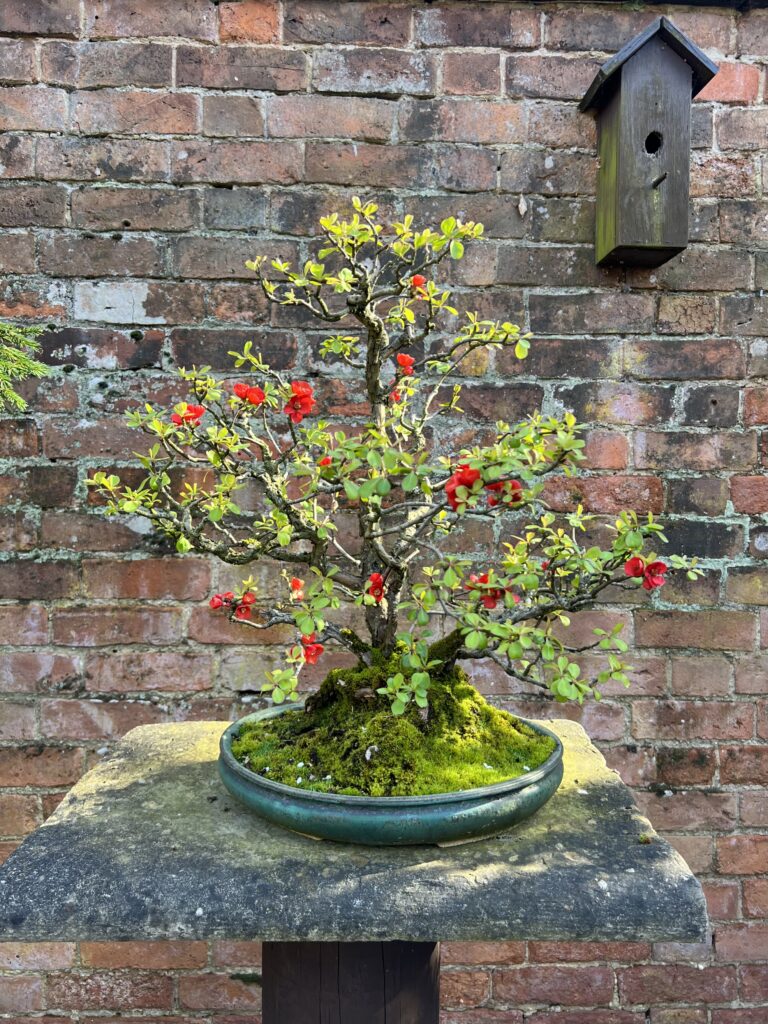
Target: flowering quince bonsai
column 396, row 597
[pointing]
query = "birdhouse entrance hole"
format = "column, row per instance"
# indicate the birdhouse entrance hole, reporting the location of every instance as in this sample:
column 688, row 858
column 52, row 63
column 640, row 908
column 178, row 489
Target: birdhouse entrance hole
column 653, row 142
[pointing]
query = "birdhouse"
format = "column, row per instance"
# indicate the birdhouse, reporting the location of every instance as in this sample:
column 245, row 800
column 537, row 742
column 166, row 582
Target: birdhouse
column 642, row 101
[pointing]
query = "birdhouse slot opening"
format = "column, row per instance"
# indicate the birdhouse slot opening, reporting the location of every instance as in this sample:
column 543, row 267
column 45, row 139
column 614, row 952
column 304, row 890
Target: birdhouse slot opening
column 653, row 142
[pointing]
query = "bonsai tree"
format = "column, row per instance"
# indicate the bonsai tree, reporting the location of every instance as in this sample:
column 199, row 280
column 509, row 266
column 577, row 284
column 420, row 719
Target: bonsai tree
column 18, row 346
column 391, row 594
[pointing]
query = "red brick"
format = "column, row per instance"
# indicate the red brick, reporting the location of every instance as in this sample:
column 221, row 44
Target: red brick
column 559, row 78
column 695, row 451
column 477, row 24
column 159, row 956
column 72, row 255
column 700, row 676
column 726, row 176
column 753, row 980
column 747, row 315
column 605, row 449
column 462, row 121
column 32, row 108
column 571, row 986
column 743, row 129
column 681, row 766
column 608, row 29
column 684, row 360
column 675, row 983
column 683, row 313
column 697, row 851
column 21, row 993
column 106, row 437
column 384, row 71
column 17, row 721
column 472, row 74
column 87, row 65
column 749, row 494
column 753, row 808
column 540, row 172
column 742, row 855
column 139, row 671
column 17, row 156
column 278, row 163
column 207, row 630
column 102, row 159
column 24, row 300
column 236, row 953
column 249, row 21
column 135, row 113
column 722, row 900
column 44, row 580
column 679, row 1015
column 18, row 254
column 588, row 952
column 755, row 898
column 699, row 268
column 114, row 19
column 28, row 205
column 92, row 532
column 560, row 125
column 310, row 21
column 297, row 117
column 689, row 810
column 583, row 1017
column 682, row 719
column 217, row 992
column 747, row 765
column 591, row 313
column 605, row 494
column 36, row 956
column 35, row 765
column 19, row 815
column 138, row 990
column 99, row 628
column 721, row 630
column 621, row 403
column 746, row 1016
column 747, row 585
column 41, row 18
column 271, row 69
column 69, row 719
column 27, row 624
column 238, row 116
column 742, row 942
column 482, row 952
column 18, row 438
column 755, row 407
column 209, row 347
column 6, row 849
column 464, row 988
column 147, row 579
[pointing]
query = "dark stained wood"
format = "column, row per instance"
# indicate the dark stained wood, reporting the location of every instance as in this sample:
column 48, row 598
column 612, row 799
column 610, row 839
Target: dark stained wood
column 351, row 983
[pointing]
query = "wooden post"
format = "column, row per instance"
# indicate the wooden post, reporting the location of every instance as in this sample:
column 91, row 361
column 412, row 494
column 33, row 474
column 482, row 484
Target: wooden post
column 351, row 983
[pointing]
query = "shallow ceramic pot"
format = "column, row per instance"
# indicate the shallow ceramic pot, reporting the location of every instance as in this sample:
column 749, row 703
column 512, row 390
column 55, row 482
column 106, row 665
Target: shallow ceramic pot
column 390, row 820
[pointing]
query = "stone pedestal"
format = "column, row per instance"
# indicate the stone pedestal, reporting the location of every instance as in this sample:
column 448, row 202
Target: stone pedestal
column 149, row 845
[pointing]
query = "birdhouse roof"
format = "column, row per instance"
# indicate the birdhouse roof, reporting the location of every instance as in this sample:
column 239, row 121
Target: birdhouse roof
column 702, row 67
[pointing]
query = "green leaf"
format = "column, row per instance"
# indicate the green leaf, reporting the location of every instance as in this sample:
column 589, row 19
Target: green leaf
column 457, row 249
column 410, row 482
column 352, row 490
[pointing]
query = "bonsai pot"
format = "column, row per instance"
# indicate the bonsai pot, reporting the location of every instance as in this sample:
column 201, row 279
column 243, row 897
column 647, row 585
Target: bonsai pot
column 390, row 820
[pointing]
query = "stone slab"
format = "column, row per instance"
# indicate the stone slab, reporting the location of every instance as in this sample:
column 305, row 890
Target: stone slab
column 150, row 845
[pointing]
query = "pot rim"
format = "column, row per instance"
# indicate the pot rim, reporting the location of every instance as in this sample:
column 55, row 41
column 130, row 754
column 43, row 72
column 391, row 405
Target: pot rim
column 316, row 796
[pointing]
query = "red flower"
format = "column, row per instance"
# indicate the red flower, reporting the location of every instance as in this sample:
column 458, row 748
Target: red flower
column 216, row 601
column 297, row 589
column 395, row 396
column 418, row 281
column 654, row 575
column 545, row 564
column 405, row 362
column 465, row 477
column 489, row 595
column 376, row 586
column 241, row 390
column 228, row 598
column 248, row 598
column 311, row 649
column 635, row 567
column 302, row 401
column 243, row 611
column 510, row 491
column 327, row 461
column 191, row 414
column 254, row 395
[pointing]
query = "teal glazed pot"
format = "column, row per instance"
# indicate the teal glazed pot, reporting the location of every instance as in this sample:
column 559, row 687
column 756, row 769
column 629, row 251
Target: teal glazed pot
column 390, row 820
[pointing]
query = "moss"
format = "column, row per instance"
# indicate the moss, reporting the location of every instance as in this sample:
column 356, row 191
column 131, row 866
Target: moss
column 347, row 741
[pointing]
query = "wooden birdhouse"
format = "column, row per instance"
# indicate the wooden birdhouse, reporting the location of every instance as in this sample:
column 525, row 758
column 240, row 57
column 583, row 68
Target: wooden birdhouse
column 642, row 100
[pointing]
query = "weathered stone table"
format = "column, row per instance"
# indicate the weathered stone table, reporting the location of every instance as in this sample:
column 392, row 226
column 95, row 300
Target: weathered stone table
column 150, row 845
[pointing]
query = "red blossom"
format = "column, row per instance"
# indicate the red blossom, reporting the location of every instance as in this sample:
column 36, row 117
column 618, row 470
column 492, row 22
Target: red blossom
column 510, row 491
column 311, row 649
column 248, row 598
column 191, row 414
column 241, row 390
column 489, row 595
column 635, row 567
column 463, row 476
column 228, row 597
column 216, row 601
column 654, row 575
column 302, row 401
column 326, row 461
column 418, row 281
column 376, row 586
column 243, row 611
column 405, row 363
column 297, row 589
column 395, row 397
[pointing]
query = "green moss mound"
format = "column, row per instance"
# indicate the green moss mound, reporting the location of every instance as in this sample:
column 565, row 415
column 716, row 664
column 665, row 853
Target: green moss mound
column 347, row 741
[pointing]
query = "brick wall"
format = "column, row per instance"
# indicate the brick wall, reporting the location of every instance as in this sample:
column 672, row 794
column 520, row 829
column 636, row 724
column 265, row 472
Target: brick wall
column 138, row 171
